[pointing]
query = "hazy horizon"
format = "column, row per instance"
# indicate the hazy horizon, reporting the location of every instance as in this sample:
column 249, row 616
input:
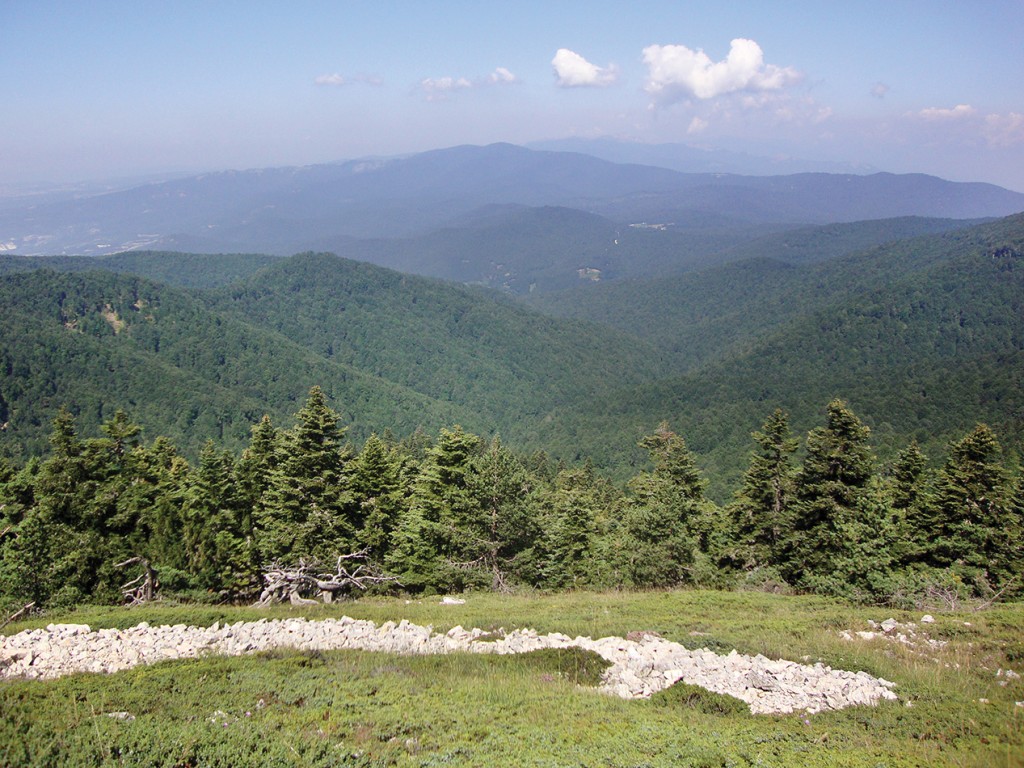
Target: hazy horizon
column 118, row 90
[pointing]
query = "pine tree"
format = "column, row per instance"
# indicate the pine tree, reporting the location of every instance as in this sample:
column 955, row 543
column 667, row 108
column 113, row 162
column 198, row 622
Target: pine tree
column 662, row 518
column 426, row 553
column 975, row 522
column 762, row 507
column 309, row 507
column 830, row 487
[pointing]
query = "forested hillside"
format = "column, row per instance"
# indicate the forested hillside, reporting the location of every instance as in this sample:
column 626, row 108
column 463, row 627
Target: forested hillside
column 396, row 352
column 921, row 336
column 97, row 342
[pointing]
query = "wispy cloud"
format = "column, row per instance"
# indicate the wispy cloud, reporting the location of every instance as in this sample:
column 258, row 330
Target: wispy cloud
column 879, row 90
column 959, row 112
column 501, row 76
column 333, row 79
column 337, row 80
column 1004, row 130
column 439, row 88
column 574, row 71
column 677, row 73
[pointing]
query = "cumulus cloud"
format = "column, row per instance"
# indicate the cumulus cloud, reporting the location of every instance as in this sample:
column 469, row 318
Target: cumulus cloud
column 676, row 72
column 334, row 79
column 574, row 71
column 959, row 112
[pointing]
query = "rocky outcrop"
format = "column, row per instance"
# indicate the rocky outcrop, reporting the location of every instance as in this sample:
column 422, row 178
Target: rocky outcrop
column 640, row 665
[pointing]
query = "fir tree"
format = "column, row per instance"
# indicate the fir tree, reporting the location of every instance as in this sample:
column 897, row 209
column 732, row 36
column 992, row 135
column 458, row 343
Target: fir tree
column 762, row 507
column 426, row 553
column 308, row 510
column 662, row 517
column 975, row 522
column 830, row 487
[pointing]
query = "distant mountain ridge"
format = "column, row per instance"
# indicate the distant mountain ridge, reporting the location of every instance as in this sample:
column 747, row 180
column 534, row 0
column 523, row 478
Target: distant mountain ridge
column 286, row 210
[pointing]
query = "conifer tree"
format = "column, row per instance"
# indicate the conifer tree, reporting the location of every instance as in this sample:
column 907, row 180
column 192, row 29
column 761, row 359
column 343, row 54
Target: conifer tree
column 662, row 519
column 255, row 470
column 830, row 487
column 425, row 550
column 308, row 510
column 762, row 507
column 379, row 491
column 975, row 522
column 497, row 537
column 912, row 501
column 219, row 556
column 570, row 530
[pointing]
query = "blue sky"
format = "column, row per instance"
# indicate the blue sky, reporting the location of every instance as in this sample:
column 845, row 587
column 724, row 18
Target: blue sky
column 102, row 90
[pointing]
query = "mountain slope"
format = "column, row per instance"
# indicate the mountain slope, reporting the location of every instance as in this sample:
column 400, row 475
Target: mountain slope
column 98, row 342
column 392, row 351
column 479, row 350
column 923, row 337
column 283, row 210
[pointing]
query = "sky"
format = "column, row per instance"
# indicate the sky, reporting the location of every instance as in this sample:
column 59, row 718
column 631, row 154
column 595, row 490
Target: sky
column 107, row 90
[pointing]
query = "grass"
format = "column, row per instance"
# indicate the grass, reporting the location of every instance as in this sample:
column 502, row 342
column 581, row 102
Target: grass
column 350, row 708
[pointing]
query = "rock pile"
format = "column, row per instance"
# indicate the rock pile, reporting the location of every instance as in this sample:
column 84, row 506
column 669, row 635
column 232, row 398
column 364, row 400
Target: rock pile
column 640, row 665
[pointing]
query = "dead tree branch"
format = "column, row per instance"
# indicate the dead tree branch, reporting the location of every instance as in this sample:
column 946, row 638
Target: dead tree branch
column 17, row 614
column 143, row 587
column 289, row 582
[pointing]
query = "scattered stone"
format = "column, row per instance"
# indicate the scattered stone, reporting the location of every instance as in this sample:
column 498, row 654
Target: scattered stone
column 448, row 600
column 927, row 619
column 889, row 625
column 127, row 716
column 641, row 664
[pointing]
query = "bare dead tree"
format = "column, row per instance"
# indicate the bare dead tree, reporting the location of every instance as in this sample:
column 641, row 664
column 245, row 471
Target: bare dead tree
column 353, row 571
column 143, row 587
column 18, row 614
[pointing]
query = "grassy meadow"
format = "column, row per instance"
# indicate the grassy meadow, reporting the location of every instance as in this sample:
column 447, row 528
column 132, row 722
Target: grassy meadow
column 349, row 708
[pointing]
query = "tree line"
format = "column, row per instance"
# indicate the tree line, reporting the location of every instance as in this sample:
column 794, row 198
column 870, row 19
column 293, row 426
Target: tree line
column 458, row 512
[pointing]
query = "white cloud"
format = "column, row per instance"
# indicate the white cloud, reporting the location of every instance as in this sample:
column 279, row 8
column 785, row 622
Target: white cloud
column 573, row 71
column 1004, row 130
column 334, row 79
column 879, row 90
column 501, row 76
column 338, row 80
column 958, row 112
column 676, row 72
column 439, row 88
